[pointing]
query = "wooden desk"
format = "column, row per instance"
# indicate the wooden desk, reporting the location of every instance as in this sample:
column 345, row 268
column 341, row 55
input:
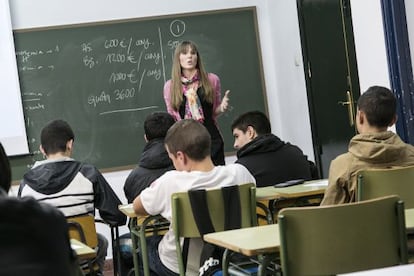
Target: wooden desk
column 262, row 240
column 82, row 250
column 409, row 218
column 400, row 270
column 305, row 191
column 140, row 227
column 309, row 188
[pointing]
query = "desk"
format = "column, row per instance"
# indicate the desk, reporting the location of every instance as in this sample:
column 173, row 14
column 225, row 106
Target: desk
column 308, row 190
column 400, row 270
column 140, row 227
column 82, row 250
column 263, row 241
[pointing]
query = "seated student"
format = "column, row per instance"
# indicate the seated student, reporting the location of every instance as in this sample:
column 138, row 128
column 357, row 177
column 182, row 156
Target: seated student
column 34, row 236
column 373, row 147
column 268, row 158
column 188, row 145
column 153, row 163
column 154, row 160
column 73, row 187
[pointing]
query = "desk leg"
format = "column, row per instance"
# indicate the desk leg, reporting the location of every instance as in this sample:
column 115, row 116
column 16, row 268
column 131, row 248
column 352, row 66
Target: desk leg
column 132, row 229
column 225, row 262
column 264, row 261
column 144, row 250
column 267, row 210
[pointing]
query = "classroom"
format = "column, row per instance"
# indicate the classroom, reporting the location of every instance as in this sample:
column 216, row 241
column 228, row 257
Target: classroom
column 281, row 54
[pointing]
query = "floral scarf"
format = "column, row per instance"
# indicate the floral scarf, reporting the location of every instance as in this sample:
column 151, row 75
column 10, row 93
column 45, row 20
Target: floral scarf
column 193, row 108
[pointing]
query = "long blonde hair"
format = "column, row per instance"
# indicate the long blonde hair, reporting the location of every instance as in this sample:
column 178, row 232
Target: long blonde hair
column 176, row 72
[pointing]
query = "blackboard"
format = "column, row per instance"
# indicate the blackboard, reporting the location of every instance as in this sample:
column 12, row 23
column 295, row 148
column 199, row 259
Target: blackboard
column 104, row 78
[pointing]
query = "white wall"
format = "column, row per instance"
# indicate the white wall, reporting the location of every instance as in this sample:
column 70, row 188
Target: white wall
column 409, row 7
column 370, row 43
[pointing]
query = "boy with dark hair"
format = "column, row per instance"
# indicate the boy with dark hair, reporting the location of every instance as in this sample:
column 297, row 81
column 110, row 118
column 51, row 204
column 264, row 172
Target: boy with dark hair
column 73, row 187
column 373, row 147
column 188, row 144
column 268, row 158
column 154, row 160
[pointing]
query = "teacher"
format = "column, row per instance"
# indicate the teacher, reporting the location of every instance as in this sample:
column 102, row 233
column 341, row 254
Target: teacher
column 192, row 93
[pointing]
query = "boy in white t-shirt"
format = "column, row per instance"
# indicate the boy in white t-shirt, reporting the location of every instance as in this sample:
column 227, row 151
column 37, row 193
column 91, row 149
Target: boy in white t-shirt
column 188, row 145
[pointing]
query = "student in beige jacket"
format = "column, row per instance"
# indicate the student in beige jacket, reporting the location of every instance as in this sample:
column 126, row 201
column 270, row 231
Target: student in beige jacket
column 373, row 147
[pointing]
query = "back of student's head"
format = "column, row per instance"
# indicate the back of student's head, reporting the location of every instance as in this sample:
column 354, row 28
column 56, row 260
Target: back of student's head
column 55, row 135
column 256, row 119
column 157, row 124
column 5, row 171
column 379, row 105
column 190, row 137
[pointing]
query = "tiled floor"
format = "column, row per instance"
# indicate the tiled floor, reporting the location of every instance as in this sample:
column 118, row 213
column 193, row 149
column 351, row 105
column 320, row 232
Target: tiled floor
column 108, row 268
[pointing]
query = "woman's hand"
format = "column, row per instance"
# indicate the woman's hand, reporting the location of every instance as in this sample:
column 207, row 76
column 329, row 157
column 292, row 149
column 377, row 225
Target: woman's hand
column 224, row 106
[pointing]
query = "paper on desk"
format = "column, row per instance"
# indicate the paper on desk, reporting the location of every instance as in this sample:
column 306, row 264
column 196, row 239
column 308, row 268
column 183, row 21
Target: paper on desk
column 75, row 246
column 322, row 182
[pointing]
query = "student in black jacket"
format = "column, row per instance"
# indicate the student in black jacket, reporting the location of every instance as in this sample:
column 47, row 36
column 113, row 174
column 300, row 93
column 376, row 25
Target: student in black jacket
column 269, row 159
column 154, row 160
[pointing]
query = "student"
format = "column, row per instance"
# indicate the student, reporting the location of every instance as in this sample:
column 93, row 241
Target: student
column 188, row 145
column 373, row 147
column 268, row 158
column 154, row 160
column 192, row 93
column 34, row 237
column 73, row 187
column 153, row 163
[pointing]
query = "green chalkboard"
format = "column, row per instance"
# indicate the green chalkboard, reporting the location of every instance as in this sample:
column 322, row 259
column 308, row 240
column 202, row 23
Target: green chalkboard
column 104, row 78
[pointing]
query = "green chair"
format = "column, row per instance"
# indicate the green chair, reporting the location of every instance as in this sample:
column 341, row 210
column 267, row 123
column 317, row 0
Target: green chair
column 373, row 183
column 184, row 225
column 328, row 240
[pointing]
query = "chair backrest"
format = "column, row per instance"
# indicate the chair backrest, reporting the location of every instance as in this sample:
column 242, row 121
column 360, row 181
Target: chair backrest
column 183, row 222
column 34, row 239
column 83, row 229
column 375, row 183
column 328, row 240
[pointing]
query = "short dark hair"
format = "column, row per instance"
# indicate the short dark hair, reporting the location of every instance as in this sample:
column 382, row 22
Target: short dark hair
column 256, row 119
column 379, row 105
column 5, row 171
column 190, row 137
column 55, row 135
column 157, row 124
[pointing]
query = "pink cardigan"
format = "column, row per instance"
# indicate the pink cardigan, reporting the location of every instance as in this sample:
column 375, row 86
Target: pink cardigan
column 215, row 82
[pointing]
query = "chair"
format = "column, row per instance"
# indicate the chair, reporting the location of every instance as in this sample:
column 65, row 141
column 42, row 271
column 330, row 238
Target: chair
column 373, row 183
column 184, row 225
column 328, row 240
column 34, row 239
column 83, row 229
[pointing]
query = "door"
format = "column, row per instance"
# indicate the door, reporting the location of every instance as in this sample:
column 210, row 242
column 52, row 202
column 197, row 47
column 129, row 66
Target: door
column 331, row 76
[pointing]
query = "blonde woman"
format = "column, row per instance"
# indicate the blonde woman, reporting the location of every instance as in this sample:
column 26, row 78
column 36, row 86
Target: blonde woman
column 192, row 93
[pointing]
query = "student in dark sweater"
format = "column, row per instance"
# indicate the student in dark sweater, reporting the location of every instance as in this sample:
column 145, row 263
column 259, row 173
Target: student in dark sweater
column 154, row 160
column 269, row 159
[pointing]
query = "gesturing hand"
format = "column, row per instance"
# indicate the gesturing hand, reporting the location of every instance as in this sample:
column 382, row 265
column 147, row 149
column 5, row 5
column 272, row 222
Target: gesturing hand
column 225, row 102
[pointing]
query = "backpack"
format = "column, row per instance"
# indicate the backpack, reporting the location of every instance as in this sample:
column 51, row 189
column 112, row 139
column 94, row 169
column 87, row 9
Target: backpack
column 211, row 255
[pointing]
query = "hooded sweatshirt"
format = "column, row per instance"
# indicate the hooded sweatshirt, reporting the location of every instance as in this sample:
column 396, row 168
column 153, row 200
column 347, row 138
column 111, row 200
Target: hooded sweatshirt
column 154, row 162
column 271, row 161
column 74, row 188
column 373, row 150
